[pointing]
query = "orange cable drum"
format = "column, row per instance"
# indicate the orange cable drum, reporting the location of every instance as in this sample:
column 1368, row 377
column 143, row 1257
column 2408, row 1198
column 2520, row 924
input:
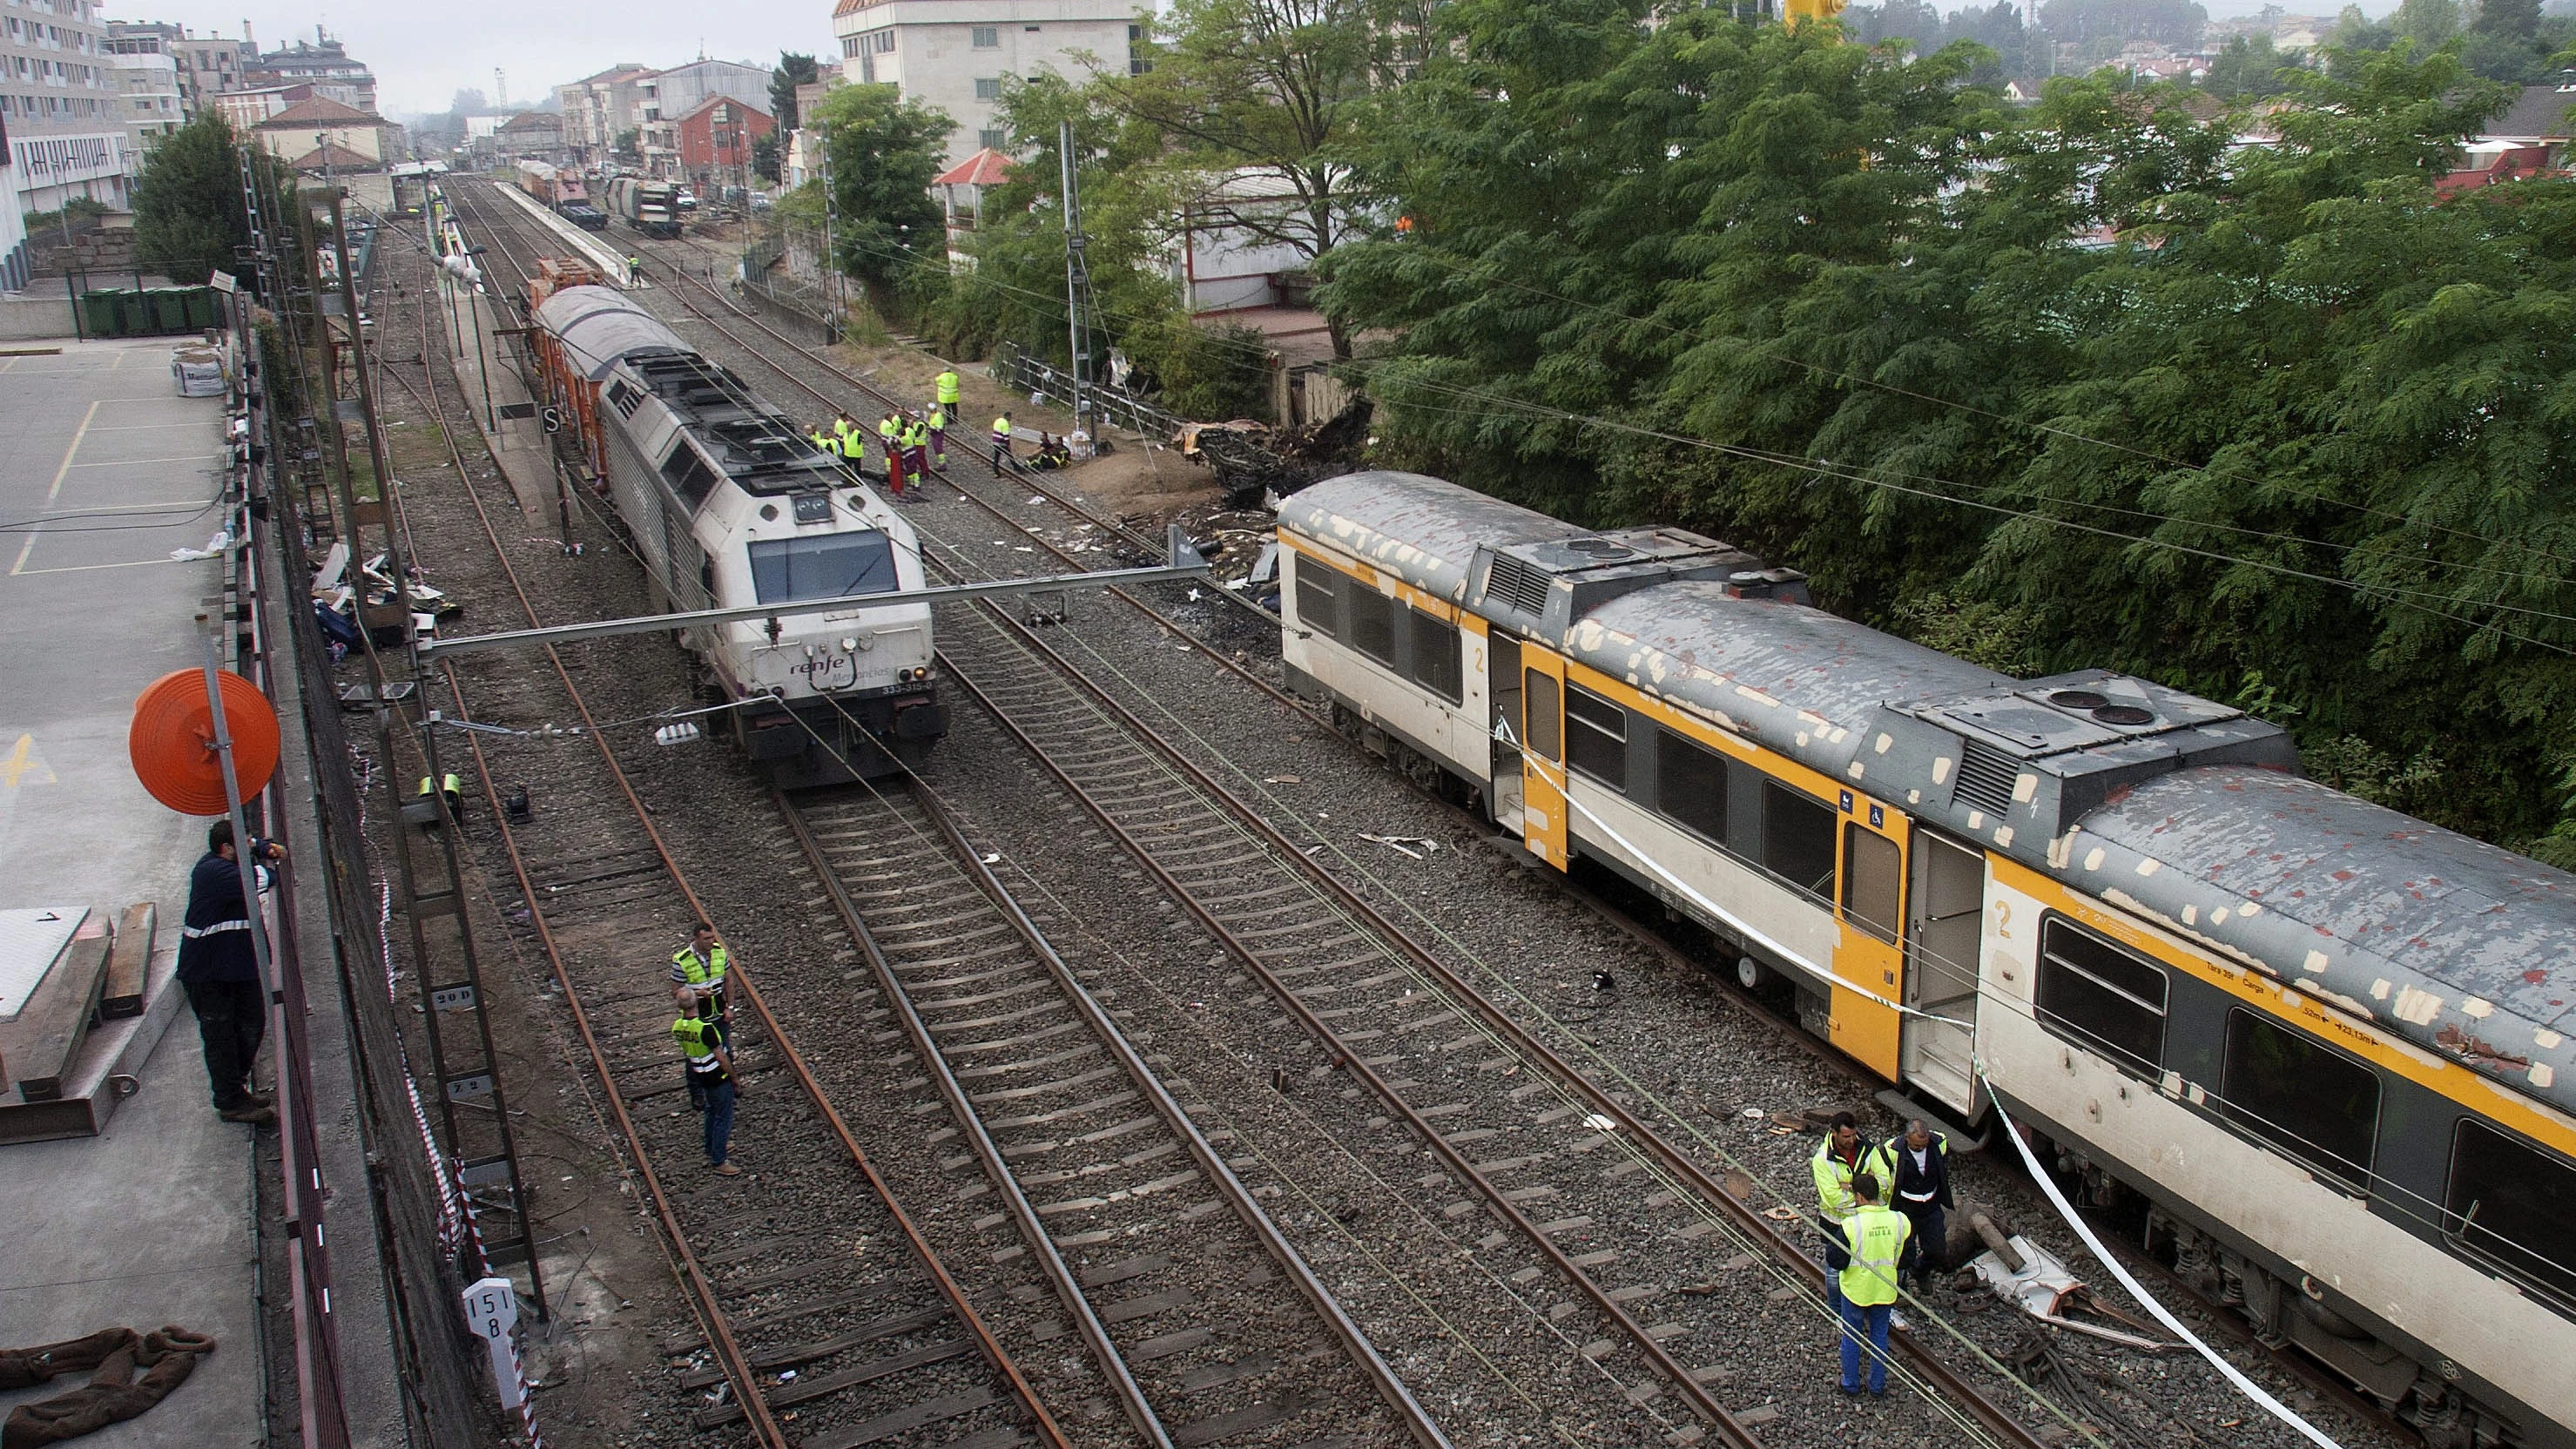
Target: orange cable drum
column 173, row 740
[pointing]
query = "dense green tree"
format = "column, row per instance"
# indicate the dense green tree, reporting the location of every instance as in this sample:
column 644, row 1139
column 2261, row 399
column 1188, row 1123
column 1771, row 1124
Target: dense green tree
column 188, row 213
column 794, row 69
column 2428, row 23
column 764, row 157
column 2517, row 19
column 884, row 150
column 2247, row 67
column 2168, row 22
column 2089, row 384
column 1257, row 102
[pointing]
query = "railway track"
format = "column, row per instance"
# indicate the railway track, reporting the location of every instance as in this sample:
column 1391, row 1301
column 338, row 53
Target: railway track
column 1668, row 1167
column 1250, row 1353
column 1659, row 1218
column 1091, row 1153
column 800, row 1322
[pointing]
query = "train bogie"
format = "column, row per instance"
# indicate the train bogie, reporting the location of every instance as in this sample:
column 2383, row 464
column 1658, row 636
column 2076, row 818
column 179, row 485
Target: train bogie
column 2313, row 1037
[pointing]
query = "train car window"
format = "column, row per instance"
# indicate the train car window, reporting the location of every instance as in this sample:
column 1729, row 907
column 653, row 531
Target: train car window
column 824, row 566
column 1798, row 840
column 2101, row 996
column 2507, row 1203
column 1318, row 596
column 2305, row 1098
column 1690, row 785
column 1873, row 878
column 1436, row 664
column 688, row 475
column 1538, row 706
column 1372, row 619
column 1596, row 738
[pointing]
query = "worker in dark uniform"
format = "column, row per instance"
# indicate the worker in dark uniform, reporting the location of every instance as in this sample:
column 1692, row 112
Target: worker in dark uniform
column 221, row 975
column 1920, row 1189
column 711, row 1082
column 699, row 968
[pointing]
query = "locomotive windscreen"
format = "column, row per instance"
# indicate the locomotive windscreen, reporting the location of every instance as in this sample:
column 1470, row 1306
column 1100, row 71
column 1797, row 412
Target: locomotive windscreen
column 785, row 570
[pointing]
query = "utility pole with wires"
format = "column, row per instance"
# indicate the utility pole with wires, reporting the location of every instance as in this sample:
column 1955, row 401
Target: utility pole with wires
column 1078, row 306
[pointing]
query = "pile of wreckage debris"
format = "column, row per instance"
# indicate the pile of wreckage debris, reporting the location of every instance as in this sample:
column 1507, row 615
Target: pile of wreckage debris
column 1258, row 465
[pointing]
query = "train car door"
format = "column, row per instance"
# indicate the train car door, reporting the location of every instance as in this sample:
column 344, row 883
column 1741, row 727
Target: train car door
column 1543, row 809
column 1503, row 767
column 1945, row 912
column 1869, row 898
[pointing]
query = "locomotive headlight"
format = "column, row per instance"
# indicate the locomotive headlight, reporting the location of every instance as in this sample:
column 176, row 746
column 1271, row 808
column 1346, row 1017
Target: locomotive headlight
column 850, row 645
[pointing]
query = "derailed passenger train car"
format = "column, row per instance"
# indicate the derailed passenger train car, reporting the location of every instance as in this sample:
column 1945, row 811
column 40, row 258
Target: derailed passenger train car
column 2316, row 1041
column 729, row 505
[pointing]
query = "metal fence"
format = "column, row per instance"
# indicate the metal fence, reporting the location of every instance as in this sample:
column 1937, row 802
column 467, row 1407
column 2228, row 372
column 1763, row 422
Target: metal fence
column 441, row 1369
column 1016, row 370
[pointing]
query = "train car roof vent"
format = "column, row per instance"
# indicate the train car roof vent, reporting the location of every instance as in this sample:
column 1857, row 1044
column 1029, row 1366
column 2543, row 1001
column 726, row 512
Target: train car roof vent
column 1516, row 583
column 1986, row 777
column 1599, row 550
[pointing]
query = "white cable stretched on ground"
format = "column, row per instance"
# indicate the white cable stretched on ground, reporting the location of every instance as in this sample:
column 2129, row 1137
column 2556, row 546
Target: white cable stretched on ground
column 2056, row 1199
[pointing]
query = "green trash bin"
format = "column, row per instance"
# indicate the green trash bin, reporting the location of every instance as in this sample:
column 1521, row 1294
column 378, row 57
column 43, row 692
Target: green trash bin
column 98, row 313
column 205, row 308
column 169, row 310
column 133, row 315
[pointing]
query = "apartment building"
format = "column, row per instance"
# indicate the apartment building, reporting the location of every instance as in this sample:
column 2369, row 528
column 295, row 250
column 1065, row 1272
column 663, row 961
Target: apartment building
column 60, row 108
column 668, row 95
column 147, row 86
column 324, row 64
column 956, row 54
column 207, row 65
column 600, row 108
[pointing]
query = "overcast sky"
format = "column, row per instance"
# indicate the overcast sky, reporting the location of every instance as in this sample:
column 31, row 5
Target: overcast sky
column 424, row 51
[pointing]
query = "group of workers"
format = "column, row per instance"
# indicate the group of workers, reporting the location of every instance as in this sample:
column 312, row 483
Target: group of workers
column 1884, row 1210
column 911, row 442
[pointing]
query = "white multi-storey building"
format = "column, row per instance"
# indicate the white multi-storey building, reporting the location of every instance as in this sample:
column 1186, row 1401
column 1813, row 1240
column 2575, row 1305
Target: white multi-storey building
column 955, row 54
column 598, row 109
column 154, row 105
column 61, row 112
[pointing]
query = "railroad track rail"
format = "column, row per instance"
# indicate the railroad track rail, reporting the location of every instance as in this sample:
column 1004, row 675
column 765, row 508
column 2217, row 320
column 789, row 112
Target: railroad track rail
column 1581, row 1187
column 801, row 1321
column 734, row 318
column 1092, row 1154
column 1251, row 1353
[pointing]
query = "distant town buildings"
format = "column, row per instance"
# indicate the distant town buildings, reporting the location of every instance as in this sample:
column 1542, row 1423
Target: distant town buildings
column 318, row 134
column 666, row 96
column 955, row 54
column 600, row 108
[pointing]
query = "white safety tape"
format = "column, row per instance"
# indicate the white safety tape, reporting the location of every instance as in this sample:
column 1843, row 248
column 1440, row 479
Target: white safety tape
column 2056, row 1199
column 1746, row 928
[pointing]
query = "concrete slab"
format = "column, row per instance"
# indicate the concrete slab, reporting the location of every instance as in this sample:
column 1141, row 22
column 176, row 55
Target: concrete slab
column 152, row 1221
column 146, row 1225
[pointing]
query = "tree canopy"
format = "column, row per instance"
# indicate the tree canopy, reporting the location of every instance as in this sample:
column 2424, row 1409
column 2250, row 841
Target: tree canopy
column 189, row 219
column 794, row 69
column 884, row 151
column 2088, row 383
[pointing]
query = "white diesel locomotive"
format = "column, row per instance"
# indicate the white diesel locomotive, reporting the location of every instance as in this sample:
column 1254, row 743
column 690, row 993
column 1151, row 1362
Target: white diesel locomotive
column 730, row 505
column 2309, row 1044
